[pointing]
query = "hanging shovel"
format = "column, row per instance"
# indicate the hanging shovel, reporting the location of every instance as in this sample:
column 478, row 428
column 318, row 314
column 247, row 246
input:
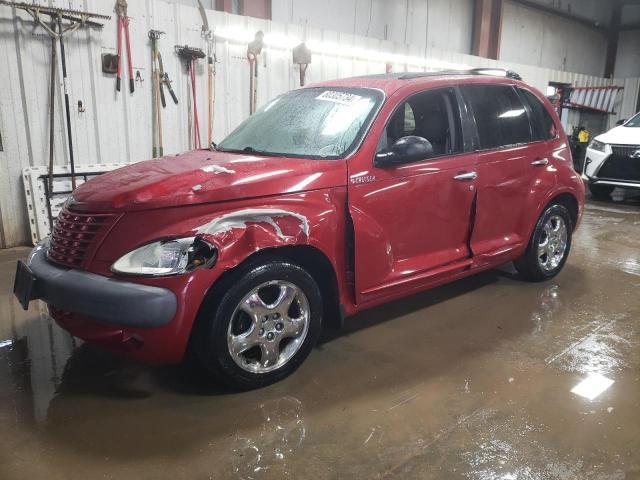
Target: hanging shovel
column 302, row 57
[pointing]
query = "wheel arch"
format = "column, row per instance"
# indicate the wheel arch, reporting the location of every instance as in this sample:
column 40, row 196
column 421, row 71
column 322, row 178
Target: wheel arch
column 318, row 265
column 570, row 202
column 524, row 263
column 308, row 257
column 564, row 198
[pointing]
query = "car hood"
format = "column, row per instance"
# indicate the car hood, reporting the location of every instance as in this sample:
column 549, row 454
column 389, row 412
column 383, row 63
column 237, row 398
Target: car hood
column 203, row 176
column 621, row 135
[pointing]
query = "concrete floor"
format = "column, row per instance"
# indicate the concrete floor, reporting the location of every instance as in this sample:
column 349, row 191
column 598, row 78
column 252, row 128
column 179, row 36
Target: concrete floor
column 472, row 381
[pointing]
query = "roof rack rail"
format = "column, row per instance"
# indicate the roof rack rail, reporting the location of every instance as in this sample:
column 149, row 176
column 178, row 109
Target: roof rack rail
column 496, row 72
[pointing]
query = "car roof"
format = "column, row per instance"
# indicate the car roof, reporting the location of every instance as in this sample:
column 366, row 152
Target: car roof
column 390, row 82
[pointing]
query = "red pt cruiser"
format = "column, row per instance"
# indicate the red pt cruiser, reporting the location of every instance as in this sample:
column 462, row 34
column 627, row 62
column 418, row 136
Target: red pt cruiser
column 328, row 200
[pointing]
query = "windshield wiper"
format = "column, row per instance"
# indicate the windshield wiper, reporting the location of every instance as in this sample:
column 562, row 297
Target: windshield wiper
column 250, row 150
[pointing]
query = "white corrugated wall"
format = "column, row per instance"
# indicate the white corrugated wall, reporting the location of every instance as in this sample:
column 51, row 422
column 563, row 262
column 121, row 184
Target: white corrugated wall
column 117, row 127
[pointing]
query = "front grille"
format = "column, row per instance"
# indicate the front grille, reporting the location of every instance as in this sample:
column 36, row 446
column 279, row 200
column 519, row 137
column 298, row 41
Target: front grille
column 624, row 150
column 74, row 236
column 617, row 167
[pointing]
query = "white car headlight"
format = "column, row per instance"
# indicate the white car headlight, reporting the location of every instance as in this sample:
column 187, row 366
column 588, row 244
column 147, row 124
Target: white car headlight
column 597, row 145
column 166, row 257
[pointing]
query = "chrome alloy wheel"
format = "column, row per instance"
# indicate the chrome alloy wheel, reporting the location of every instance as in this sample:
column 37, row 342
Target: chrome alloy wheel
column 552, row 243
column 268, row 326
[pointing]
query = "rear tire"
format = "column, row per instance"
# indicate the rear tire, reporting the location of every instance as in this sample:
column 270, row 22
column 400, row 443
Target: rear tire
column 600, row 191
column 548, row 247
column 265, row 324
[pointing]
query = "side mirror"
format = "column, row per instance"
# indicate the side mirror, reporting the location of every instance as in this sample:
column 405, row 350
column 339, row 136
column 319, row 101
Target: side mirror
column 405, row 150
column 621, row 121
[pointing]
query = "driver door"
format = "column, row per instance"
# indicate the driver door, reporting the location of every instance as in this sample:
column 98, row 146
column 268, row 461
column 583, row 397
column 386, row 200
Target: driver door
column 412, row 220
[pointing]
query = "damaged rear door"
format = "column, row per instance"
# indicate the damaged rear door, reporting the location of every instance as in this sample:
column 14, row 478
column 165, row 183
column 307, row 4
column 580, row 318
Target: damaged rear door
column 412, row 221
column 509, row 168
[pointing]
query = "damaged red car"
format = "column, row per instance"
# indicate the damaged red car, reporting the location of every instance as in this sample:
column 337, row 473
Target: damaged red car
column 328, row 200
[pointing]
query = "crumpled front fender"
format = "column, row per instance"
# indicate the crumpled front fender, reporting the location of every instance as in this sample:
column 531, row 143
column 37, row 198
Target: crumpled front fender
column 238, row 234
column 237, row 229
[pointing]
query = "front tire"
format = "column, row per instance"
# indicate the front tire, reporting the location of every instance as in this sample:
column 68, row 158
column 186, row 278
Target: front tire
column 601, row 191
column 265, row 325
column 548, row 247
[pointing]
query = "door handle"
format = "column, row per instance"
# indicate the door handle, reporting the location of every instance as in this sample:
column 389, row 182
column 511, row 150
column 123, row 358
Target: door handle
column 540, row 162
column 466, row 176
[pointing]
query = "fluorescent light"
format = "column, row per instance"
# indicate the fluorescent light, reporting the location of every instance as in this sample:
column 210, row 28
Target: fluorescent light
column 287, row 42
column 6, row 343
column 235, row 34
column 592, row 386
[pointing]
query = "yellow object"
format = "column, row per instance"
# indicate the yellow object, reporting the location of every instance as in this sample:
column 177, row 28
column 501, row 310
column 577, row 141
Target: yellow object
column 583, row 136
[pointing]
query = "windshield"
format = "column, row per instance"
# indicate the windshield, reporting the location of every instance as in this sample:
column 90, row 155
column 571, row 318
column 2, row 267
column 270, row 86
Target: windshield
column 326, row 122
column 633, row 121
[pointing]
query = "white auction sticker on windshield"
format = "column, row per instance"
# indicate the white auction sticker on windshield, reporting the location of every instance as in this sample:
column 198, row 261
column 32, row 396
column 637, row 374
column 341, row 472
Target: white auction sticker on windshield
column 344, row 98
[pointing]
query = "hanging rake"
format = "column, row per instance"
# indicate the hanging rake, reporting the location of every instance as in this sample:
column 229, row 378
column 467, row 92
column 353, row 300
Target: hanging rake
column 191, row 55
column 57, row 30
column 157, row 93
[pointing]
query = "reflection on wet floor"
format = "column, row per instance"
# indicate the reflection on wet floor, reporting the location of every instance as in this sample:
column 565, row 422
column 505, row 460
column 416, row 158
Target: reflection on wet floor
column 281, row 434
column 487, row 378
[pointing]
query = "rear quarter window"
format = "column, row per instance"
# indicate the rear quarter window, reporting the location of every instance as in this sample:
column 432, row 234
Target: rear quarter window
column 500, row 115
column 542, row 126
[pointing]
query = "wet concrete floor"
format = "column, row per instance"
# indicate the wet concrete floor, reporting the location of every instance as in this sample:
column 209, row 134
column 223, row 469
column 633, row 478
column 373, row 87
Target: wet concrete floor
column 472, row 381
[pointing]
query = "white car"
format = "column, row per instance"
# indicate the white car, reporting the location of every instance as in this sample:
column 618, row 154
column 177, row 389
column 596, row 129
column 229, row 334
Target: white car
column 613, row 159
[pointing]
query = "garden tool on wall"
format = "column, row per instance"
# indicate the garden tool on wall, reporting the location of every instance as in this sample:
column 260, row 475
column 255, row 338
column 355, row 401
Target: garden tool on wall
column 302, row 58
column 67, row 108
column 161, row 80
column 191, row 55
column 56, row 31
column 157, row 95
column 164, row 81
column 52, row 103
column 123, row 27
column 209, row 37
column 253, row 50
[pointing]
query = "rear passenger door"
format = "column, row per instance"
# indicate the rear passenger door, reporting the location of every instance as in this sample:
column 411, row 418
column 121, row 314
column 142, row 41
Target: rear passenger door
column 505, row 170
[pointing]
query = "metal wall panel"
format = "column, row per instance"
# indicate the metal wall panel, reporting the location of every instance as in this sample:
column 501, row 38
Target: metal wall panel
column 117, row 127
column 629, row 103
column 628, row 54
column 542, row 39
column 422, row 23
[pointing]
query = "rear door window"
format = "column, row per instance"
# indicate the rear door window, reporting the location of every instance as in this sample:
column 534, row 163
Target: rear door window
column 542, row 125
column 501, row 118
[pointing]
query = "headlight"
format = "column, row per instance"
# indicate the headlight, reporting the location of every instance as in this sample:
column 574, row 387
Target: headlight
column 596, row 145
column 167, row 257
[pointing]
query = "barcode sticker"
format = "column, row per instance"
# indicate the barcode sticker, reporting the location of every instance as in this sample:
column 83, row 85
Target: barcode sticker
column 343, row 98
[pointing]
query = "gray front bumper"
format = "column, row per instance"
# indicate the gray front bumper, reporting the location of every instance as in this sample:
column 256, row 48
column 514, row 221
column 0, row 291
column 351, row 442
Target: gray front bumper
column 106, row 299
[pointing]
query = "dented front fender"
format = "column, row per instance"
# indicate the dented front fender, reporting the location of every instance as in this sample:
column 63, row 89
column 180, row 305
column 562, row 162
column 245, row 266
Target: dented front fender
column 238, row 230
